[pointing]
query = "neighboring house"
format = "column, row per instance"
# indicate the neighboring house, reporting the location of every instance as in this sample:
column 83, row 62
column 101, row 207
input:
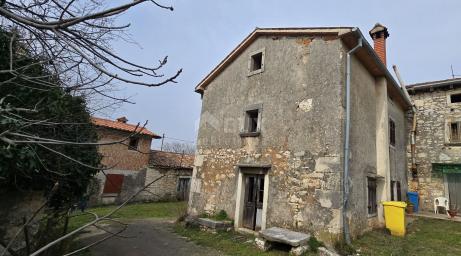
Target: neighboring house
column 438, row 141
column 127, row 160
column 177, row 171
column 270, row 149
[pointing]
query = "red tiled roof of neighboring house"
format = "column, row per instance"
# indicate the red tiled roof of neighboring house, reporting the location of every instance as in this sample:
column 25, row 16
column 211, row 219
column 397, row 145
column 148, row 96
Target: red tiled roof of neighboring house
column 121, row 126
column 164, row 159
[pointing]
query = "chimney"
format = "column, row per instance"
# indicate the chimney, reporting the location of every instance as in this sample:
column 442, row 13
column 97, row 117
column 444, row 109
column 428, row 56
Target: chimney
column 122, row 119
column 379, row 34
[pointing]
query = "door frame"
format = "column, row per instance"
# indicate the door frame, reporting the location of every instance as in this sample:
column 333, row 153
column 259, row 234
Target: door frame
column 240, row 198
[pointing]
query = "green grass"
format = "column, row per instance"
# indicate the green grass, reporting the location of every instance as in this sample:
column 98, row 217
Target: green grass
column 172, row 210
column 230, row 243
column 424, row 237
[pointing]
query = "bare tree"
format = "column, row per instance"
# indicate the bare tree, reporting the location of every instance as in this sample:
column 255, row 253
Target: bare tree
column 178, row 147
column 71, row 41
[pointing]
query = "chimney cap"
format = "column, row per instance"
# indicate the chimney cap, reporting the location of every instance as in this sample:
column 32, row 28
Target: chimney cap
column 378, row 30
column 122, row 119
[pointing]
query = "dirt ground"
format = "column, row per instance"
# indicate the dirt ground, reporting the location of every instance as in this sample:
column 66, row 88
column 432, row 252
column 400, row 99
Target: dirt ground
column 143, row 237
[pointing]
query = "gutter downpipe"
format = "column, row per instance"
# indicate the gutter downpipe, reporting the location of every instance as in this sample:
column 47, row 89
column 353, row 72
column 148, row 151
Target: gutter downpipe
column 346, row 231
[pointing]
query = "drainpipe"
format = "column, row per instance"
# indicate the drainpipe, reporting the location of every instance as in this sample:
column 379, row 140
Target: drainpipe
column 346, row 232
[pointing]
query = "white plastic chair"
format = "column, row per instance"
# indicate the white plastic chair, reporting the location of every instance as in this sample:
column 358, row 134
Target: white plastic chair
column 441, row 202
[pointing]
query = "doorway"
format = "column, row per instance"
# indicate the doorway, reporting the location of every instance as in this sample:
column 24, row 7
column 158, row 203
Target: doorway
column 253, row 201
column 183, row 188
column 454, row 189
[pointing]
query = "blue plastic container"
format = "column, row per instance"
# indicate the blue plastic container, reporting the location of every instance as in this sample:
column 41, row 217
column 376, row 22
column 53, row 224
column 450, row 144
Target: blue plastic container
column 413, row 197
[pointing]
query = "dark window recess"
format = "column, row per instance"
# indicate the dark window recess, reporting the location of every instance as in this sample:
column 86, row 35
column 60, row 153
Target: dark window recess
column 113, row 184
column 133, row 143
column 256, row 61
column 455, row 98
column 455, row 132
column 396, row 192
column 252, row 121
column 372, row 202
column 391, row 132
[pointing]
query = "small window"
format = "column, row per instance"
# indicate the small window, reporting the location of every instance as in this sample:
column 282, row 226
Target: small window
column 372, row 201
column 256, row 62
column 251, row 122
column 391, row 132
column 113, row 184
column 133, row 143
column 455, row 132
column 455, row 98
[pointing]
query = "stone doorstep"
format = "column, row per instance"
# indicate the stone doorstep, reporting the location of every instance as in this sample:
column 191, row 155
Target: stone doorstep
column 285, row 236
column 213, row 224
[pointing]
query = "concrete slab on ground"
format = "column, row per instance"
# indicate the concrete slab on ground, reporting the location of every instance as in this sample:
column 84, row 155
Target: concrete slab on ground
column 285, row 236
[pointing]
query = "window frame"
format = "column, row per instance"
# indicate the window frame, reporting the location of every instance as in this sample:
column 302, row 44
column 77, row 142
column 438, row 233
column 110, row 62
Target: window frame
column 451, row 94
column 448, row 131
column 372, row 184
column 133, row 148
column 244, row 131
column 392, row 133
column 261, row 51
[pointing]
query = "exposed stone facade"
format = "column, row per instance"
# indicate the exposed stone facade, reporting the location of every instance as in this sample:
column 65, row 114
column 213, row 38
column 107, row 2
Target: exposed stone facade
column 300, row 96
column 434, row 112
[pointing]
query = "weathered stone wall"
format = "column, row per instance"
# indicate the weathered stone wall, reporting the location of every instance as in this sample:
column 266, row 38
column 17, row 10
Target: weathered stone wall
column 301, row 132
column 433, row 111
column 165, row 189
column 118, row 155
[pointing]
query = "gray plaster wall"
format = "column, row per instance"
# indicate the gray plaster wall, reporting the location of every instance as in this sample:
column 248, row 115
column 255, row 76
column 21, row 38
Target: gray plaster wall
column 362, row 144
column 433, row 112
column 301, row 92
column 397, row 153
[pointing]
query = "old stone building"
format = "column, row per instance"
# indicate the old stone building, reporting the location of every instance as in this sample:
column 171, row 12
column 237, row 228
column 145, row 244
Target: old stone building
column 127, row 161
column 438, row 142
column 176, row 170
column 272, row 135
column 132, row 165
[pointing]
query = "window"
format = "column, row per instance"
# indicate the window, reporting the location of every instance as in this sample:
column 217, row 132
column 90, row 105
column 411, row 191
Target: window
column 252, row 120
column 372, row 202
column 256, row 62
column 455, row 98
column 455, row 132
column 133, row 143
column 396, row 193
column 113, row 184
column 391, row 132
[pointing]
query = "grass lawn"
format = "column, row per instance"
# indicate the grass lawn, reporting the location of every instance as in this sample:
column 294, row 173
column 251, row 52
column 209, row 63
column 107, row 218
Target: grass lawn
column 230, row 243
column 424, row 237
column 171, row 210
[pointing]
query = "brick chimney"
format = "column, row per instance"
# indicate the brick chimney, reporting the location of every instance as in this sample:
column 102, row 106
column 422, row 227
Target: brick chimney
column 379, row 34
column 122, row 119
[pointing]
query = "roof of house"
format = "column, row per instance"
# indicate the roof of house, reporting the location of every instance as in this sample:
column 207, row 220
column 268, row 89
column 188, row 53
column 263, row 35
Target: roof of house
column 122, row 126
column 164, row 159
column 434, row 84
column 349, row 36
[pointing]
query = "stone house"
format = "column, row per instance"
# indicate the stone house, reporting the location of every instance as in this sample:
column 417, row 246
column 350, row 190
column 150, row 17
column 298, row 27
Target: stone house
column 273, row 133
column 177, row 171
column 438, row 142
column 127, row 161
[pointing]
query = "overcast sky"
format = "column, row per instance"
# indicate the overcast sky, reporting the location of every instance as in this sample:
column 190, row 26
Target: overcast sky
column 424, row 41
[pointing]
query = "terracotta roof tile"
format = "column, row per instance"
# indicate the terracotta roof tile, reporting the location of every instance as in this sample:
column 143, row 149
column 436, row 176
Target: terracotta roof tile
column 170, row 160
column 122, row 126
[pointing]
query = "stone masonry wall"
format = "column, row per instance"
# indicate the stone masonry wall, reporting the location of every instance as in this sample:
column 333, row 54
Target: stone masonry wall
column 431, row 147
column 301, row 134
column 119, row 156
column 165, row 189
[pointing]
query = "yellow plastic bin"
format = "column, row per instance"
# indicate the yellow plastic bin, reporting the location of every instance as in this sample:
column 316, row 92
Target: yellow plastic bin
column 394, row 214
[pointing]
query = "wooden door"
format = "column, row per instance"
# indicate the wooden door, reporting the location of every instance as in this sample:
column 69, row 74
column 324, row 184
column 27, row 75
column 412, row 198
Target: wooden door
column 253, row 201
column 183, row 189
column 454, row 189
